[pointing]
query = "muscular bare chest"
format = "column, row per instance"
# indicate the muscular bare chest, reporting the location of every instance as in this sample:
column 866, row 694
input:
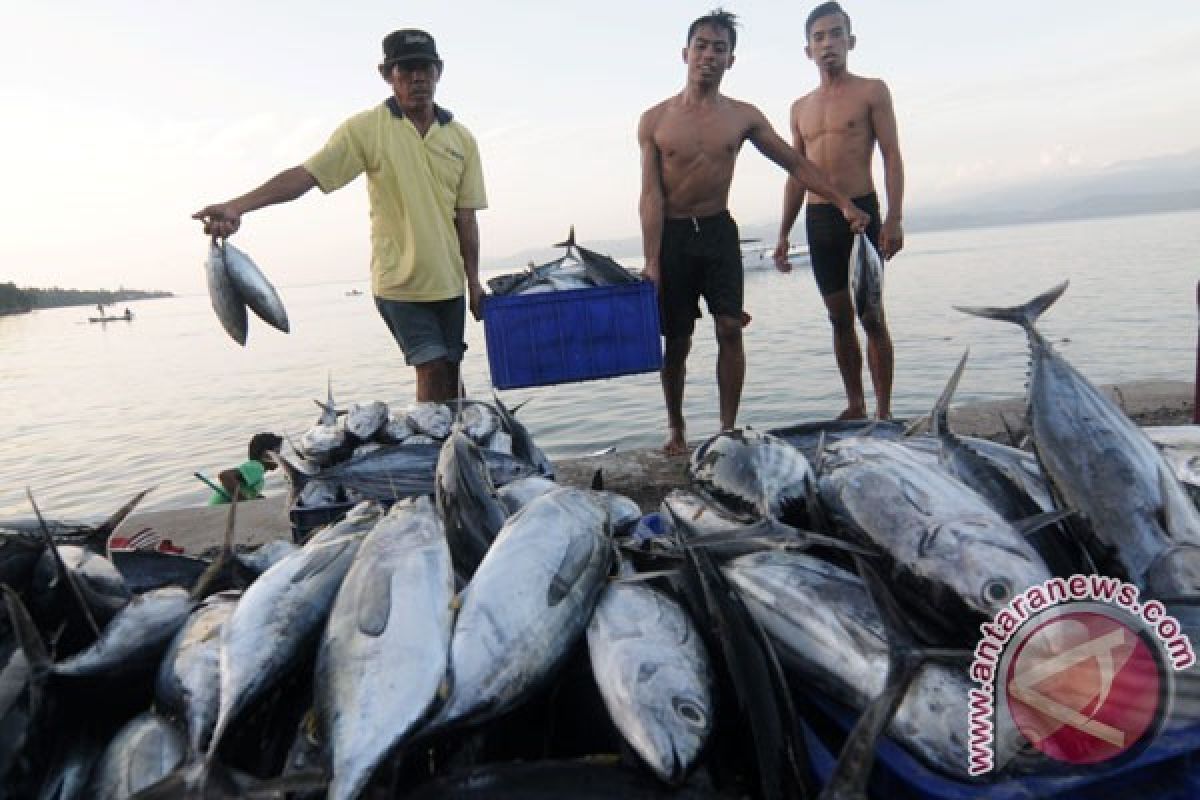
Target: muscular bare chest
column 834, row 122
column 686, row 140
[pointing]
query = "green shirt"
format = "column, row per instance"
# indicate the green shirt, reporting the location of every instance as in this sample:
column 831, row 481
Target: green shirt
column 253, row 474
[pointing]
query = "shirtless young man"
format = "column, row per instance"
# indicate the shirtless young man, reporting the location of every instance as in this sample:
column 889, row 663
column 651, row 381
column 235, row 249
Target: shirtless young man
column 689, row 144
column 838, row 126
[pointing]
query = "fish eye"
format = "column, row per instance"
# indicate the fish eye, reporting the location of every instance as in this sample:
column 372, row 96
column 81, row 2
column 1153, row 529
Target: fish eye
column 691, row 713
column 997, row 592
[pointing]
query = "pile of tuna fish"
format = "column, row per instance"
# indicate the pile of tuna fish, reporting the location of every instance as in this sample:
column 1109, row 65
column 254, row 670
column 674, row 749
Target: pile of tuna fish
column 536, row 640
column 578, row 268
column 370, row 452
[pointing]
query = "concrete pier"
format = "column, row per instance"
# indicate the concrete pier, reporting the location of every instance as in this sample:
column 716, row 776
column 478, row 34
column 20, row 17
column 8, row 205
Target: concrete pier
column 645, row 475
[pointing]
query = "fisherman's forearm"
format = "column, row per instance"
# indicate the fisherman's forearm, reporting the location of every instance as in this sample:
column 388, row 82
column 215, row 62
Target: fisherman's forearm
column 283, row 188
column 467, row 228
column 893, row 185
column 793, row 201
column 650, row 209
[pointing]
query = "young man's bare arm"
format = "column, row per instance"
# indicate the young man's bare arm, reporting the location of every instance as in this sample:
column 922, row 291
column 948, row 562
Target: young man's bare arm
column 883, row 122
column 793, row 198
column 652, row 201
column 804, row 171
column 466, row 225
column 223, row 219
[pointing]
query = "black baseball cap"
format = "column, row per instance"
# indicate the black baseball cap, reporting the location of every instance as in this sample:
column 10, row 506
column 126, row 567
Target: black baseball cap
column 409, row 44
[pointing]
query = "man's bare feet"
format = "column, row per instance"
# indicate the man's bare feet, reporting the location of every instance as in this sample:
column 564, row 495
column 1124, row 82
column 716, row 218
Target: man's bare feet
column 676, row 444
column 746, row 319
column 853, row 413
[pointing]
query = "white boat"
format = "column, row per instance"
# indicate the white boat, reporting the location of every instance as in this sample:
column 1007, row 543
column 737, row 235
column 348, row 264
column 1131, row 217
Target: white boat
column 757, row 255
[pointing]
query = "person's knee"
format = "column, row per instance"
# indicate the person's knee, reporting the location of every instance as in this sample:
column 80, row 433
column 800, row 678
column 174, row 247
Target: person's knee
column 842, row 321
column 676, row 349
column 729, row 331
column 874, row 324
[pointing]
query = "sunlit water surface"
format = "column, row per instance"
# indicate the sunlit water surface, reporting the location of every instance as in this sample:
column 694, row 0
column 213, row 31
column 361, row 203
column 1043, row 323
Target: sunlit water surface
column 98, row 412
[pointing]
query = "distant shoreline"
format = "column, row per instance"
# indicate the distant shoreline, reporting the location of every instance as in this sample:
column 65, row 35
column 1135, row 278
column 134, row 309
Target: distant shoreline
column 25, row 300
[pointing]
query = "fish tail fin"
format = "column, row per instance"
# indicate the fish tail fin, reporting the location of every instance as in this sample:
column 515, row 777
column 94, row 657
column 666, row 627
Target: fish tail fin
column 296, row 477
column 1026, row 314
column 29, row 639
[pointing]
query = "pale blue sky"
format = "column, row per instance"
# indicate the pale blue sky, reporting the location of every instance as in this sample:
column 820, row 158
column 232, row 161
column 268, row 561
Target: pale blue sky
column 122, row 118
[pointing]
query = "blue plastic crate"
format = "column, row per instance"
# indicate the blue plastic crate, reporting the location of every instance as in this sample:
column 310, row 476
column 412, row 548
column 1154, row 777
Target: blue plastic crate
column 572, row 335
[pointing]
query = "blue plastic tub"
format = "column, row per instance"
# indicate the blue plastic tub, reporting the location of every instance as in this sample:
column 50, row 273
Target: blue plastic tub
column 1169, row 769
column 572, row 335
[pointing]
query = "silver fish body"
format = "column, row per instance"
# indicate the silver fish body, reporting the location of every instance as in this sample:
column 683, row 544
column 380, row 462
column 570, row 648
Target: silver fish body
column 1105, row 468
column 527, row 604
column 365, row 420
column 654, row 675
column 953, row 553
column 467, row 501
column 280, row 615
column 827, row 630
column 134, row 638
column 757, row 472
column 101, row 584
column 524, row 491
column 865, row 279
column 432, row 419
column 142, row 753
column 226, row 300
column 254, row 289
column 384, row 652
column 189, row 678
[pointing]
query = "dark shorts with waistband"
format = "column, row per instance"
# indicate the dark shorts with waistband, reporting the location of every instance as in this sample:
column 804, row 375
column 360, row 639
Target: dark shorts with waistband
column 700, row 257
column 830, row 241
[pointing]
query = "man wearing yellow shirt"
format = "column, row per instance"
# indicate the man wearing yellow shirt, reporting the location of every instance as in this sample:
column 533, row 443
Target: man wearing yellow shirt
column 425, row 183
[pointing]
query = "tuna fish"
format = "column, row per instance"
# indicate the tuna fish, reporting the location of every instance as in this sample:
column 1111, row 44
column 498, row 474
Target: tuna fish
column 189, row 677
column 527, row 605
column 826, row 629
column 145, row 751
column 365, row 420
column 253, row 287
column 1101, row 465
column 756, row 472
column 280, row 616
column 654, row 675
column 953, row 554
column 226, row 301
column 384, row 651
column 865, row 280
column 467, row 501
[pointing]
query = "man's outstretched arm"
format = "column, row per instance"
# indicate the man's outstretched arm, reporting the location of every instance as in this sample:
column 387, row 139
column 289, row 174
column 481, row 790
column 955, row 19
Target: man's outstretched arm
column 223, row 219
column 802, row 170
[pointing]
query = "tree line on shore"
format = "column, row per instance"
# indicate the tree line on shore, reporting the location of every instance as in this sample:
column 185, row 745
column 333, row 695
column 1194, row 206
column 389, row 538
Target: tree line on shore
column 15, row 300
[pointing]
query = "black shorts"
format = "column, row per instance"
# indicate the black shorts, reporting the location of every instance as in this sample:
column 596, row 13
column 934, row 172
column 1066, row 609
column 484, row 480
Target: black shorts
column 700, row 257
column 830, row 241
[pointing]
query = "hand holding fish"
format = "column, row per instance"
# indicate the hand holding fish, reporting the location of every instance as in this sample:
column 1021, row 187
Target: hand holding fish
column 781, row 256
column 220, row 219
column 857, row 218
column 891, row 238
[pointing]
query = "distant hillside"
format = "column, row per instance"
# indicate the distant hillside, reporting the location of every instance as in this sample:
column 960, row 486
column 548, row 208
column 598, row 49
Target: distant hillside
column 1145, row 186
column 15, row 301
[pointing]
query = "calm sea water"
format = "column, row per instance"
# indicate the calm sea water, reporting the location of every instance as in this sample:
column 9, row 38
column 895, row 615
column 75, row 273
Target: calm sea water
column 99, row 412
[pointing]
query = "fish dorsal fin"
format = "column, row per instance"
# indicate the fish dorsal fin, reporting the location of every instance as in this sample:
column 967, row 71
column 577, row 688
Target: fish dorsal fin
column 941, row 408
column 1174, row 509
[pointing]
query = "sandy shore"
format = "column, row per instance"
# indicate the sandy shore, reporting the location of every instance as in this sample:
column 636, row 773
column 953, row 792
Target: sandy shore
column 644, row 475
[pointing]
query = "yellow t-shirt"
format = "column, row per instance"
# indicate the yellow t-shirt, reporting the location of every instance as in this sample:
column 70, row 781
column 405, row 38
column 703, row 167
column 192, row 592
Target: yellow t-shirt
column 415, row 185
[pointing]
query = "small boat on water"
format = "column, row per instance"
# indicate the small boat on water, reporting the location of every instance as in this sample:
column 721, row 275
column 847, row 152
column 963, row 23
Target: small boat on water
column 126, row 317
column 354, row 293
column 756, row 255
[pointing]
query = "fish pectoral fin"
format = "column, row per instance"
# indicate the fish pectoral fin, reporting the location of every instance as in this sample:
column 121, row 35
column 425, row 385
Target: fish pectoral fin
column 1033, row 524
